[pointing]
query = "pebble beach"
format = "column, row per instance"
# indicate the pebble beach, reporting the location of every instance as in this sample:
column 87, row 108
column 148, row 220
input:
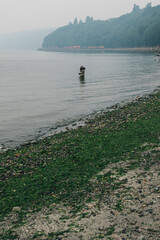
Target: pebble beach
column 98, row 181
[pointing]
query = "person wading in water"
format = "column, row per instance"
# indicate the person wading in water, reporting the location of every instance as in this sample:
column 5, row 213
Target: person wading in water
column 82, row 69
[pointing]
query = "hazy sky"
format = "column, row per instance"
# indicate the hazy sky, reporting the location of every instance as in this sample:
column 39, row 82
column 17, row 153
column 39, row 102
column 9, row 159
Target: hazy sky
column 17, row 15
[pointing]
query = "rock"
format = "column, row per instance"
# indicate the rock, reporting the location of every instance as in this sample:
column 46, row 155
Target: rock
column 124, row 230
column 150, row 211
column 15, row 220
column 16, row 209
column 133, row 210
column 139, row 181
column 142, row 238
column 141, row 215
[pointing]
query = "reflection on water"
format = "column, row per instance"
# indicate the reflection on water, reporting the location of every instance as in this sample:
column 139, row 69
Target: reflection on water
column 40, row 91
column 82, row 80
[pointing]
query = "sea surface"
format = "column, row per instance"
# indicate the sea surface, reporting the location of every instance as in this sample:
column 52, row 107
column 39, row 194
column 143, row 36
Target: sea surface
column 40, row 91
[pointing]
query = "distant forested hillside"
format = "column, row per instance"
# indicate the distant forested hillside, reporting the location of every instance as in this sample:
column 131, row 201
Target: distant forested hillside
column 140, row 28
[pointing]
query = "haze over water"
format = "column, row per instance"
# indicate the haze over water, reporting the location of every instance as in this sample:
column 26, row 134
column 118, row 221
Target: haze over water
column 42, row 90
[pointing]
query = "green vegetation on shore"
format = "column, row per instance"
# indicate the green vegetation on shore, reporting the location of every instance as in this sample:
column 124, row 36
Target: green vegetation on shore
column 58, row 169
column 140, row 28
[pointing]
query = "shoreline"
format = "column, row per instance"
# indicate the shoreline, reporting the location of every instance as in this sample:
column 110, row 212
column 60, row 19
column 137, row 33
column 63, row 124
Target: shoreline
column 75, row 123
column 107, row 185
column 92, row 50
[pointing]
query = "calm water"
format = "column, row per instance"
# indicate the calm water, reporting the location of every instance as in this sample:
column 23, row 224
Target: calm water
column 40, row 91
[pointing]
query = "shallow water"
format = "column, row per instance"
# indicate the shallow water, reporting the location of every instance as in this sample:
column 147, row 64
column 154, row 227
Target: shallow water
column 42, row 90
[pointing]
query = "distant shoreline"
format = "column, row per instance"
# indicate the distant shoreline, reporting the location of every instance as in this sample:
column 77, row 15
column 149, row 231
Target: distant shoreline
column 136, row 49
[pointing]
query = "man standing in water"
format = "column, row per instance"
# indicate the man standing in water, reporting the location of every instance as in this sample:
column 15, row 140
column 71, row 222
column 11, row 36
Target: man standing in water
column 82, row 69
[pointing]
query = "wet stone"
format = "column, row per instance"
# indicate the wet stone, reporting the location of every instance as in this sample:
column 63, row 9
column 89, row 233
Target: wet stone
column 150, row 211
column 124, row 230
column 141, row 215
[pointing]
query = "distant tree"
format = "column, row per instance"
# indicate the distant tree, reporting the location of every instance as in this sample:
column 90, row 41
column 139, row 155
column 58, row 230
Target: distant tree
column 149, row 5
column 89, row 19
column 75, row 21
column 80, row 22
column 147, row 9
column 136, row 8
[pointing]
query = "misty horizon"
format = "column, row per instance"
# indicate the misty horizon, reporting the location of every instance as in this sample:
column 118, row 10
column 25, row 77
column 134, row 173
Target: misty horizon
column 24, row 40
column 22, row 15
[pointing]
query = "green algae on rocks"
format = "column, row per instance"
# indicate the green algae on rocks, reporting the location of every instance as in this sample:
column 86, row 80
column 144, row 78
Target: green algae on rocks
column 59, row 168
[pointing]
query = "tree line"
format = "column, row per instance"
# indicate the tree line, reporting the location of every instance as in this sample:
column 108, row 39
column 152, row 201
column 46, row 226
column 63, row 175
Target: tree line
column 140, row 28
